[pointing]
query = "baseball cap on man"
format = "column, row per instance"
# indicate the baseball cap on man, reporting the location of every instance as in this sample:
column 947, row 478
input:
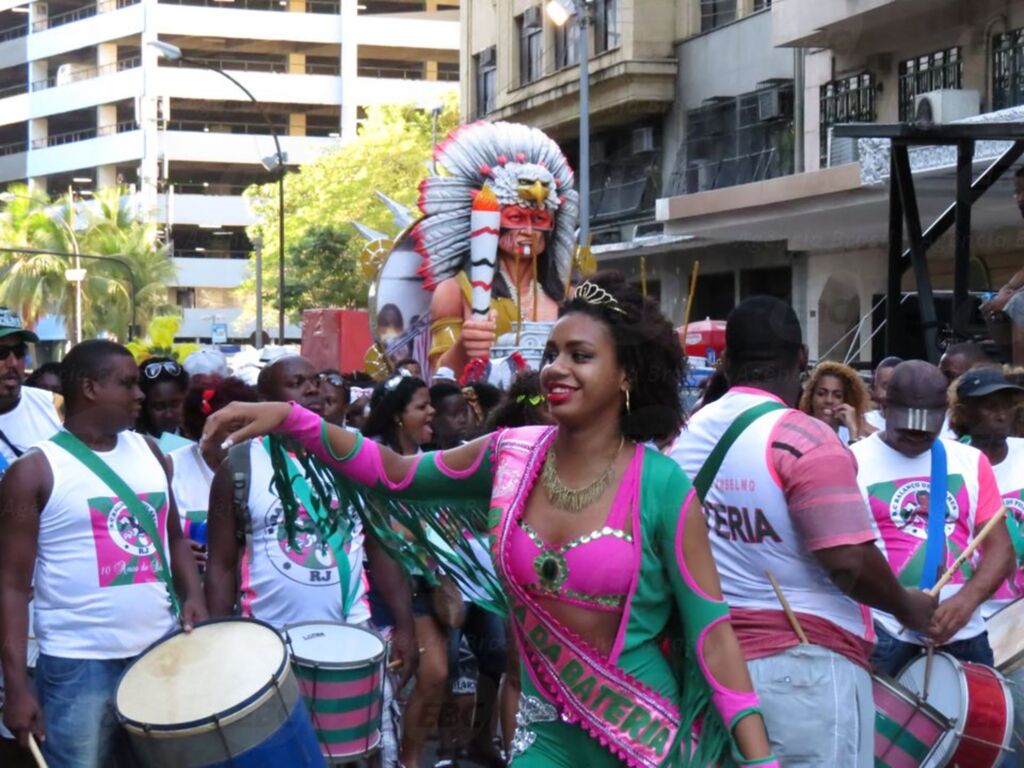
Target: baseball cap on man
column 982, row 382
column 916, row 398
column 11, row 325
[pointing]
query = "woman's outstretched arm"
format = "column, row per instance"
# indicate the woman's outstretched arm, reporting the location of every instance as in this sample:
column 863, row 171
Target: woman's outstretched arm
column 460, row 473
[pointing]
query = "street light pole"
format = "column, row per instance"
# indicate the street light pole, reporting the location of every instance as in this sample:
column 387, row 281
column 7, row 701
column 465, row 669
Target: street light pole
column 583, row 13
column 173, row 53
column 560, row 11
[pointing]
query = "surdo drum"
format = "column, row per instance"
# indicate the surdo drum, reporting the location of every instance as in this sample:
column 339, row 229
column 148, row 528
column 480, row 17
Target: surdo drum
column 341, row 670
column 221, row 695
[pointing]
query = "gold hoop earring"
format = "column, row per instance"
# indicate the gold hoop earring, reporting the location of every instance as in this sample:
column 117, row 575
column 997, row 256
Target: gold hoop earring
column 627, row 402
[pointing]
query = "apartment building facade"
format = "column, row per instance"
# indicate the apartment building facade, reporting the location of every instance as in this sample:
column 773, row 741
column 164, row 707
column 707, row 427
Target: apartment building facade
column 878, row 61
column 652, row 62
column 87, row 102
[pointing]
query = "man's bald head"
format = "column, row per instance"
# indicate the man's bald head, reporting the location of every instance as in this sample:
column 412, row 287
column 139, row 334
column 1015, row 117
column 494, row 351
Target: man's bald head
column 292, row 378
column 960, row 358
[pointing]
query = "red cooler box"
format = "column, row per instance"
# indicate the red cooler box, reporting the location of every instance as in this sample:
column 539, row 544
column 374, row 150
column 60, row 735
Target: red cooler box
column 336, row 338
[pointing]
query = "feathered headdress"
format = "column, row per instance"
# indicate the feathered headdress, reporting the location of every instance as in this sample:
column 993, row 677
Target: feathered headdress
column 521, row 165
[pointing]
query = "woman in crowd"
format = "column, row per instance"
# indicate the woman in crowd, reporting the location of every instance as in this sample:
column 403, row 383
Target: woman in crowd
column 164, row 383
column 335, row 396
column 600, row 542
column 193, row 464
column 46, row 376
column 400, row 419
column 524, row 405
column 835, row 394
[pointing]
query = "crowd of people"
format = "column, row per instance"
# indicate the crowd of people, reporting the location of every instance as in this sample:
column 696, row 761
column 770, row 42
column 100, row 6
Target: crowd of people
column 639, row 552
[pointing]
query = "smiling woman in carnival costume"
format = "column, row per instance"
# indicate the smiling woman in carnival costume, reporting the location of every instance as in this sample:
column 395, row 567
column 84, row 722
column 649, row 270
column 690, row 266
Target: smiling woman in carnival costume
column 600, row 546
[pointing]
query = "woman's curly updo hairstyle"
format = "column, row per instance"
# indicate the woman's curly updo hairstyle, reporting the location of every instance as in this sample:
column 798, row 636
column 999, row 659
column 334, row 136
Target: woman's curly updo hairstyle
column 648, row 350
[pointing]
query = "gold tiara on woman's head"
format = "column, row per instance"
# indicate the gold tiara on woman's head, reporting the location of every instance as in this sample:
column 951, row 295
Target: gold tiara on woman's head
column 596, row 296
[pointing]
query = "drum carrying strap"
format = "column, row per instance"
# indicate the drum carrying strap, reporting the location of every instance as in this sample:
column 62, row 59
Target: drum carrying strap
column 128, row 497
column 333, row 530
column 935, row 544
column 706, row 475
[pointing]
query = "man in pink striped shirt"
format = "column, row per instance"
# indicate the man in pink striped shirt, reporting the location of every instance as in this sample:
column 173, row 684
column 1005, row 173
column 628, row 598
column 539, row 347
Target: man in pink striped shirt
column 785, row 501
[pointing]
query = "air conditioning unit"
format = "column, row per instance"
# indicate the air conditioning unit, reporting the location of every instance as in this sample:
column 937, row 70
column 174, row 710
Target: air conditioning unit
column 643, row 140
column 842, row 150
column 769, row 105
column 946, row 106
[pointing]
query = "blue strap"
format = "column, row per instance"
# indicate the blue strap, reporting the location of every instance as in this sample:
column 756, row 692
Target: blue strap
column 935, row 546
column 3, row 464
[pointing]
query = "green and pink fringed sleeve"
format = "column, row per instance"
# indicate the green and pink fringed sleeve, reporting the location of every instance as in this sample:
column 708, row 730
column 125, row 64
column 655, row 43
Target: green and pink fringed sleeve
column 427, row 477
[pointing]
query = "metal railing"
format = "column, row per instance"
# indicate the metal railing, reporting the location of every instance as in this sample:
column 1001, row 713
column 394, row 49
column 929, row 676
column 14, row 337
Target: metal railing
column 13, row 33
column 83, row 134
column 931, row 72
column 77, row 14
column 208, row 188
column 209, row 253
column 13, row 148
column 312, row 6
column 13, row 90
column 392, row 73
column 88, row 73
column 322, row 69
column 221, row 126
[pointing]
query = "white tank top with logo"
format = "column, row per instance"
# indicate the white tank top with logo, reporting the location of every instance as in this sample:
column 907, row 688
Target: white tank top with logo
column 749, row 524
column 281, row 585
column 34, row 418
column 898, row 492
column 1010, row 478
column 97, row 593
column 191, row 484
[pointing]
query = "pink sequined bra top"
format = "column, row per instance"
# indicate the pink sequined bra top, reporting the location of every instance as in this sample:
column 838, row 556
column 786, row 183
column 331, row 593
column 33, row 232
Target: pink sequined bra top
column 592, row 571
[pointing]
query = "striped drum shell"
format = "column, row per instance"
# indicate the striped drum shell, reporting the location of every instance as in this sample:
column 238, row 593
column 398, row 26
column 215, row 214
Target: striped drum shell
column 340, row 669
column 907, row 729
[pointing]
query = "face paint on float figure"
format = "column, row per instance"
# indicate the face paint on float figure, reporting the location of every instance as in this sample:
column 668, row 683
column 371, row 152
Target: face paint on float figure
column 515, row 278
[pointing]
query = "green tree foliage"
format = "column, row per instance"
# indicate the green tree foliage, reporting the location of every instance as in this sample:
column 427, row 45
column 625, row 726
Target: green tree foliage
column 391, row 154
column 36, row 285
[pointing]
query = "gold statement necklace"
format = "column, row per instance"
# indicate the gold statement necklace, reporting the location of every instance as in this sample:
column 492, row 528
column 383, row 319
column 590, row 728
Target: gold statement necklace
column 575, row 499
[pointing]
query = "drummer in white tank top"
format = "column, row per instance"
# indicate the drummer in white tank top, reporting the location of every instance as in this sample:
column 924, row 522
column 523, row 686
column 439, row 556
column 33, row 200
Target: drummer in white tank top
column 99, row 599
column 981, row 412
column 27, row 415
column 272, row 582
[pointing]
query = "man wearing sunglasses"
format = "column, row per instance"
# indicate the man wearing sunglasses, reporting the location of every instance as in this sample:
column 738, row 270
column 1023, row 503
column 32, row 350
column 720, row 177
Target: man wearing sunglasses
column 27, row 415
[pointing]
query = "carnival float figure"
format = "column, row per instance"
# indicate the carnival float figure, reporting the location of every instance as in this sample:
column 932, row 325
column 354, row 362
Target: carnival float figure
column 495, row 245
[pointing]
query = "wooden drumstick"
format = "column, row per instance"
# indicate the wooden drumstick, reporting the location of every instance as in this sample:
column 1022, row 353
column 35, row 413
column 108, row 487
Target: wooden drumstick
column 34, row 749
column 793, row 621
column 966, row 554
column 928, row 659
column 394, row 665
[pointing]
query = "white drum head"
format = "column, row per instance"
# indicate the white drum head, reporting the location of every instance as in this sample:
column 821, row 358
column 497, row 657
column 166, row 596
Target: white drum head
column 210, row 671
column 946, row 691
column 328, row 643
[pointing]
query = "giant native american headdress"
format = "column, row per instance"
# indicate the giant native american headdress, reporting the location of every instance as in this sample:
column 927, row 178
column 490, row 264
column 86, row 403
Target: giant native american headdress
column 521, row 165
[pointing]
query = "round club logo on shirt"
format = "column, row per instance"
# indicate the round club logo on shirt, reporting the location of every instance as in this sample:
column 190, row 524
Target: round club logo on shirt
column 126, row 533
column 312, row 563
column 910, row 506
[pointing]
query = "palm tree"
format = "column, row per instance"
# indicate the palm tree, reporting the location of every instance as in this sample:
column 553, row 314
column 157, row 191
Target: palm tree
column 108, row 227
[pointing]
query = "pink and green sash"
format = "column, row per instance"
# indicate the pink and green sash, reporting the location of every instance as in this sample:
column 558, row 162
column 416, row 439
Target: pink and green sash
column 629, row 719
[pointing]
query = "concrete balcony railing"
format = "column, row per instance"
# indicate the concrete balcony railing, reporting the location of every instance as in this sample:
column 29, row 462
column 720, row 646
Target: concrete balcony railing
column 828, row 23
column 236, row 21
column 206, row 210
column 268, row 87
column 87, row 148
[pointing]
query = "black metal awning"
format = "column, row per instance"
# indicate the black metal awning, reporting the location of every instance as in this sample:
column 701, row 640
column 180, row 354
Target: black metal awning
column 903, row 209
